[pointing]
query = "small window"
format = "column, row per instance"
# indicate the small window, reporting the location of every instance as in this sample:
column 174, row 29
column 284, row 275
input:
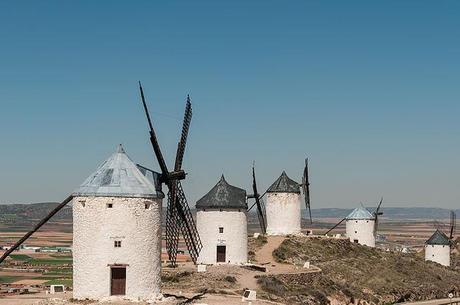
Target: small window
column 109, row 205
column 356, row 221
column 355, row 241
column 117, row 244
column 221, row 229
column 356, row 232
column 83, row 203
column 147, row 206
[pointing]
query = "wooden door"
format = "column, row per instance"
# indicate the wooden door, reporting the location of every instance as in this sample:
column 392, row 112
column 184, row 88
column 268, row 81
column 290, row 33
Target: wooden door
column 221, row 254
column 118, row 281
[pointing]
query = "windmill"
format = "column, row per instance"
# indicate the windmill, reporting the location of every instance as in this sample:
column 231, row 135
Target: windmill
column 438, row 247
column 449, row 228
column 258, row 202
column 178, row 215
column 306, row 189
column 376, row 214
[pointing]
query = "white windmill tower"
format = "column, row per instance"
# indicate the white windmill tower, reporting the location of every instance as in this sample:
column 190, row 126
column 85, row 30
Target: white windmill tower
column 283, row 207
column 438, row 246
column 360, row 224
column 117, row 233
column 222, row 225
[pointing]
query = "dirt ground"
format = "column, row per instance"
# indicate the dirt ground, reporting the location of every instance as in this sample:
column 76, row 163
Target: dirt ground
column 43, row 299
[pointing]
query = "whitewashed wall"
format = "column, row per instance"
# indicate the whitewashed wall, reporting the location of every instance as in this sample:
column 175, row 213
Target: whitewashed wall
column 362, row 230
column 96, row 227
column 234, row 237
column 438, row 253
column 283, row 213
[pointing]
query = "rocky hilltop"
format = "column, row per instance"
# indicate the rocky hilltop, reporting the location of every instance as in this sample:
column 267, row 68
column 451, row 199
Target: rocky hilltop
column 352, row 273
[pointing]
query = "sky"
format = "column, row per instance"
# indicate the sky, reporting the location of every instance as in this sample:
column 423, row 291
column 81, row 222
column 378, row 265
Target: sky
column 367, row 90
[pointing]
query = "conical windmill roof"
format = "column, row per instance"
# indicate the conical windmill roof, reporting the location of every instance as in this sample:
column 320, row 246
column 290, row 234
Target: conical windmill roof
column 222, row 196
column 438, row 238
column 284, row 184
column 360, row 213
column 118, row 176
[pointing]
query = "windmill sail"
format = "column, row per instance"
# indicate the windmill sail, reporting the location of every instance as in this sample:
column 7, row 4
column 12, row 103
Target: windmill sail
column 179, row 217
column 173, row 219
column 306, row 189
column 36, row 228
column 377, row 213
column 259, row 203
column 335, row 226
column 453, row 224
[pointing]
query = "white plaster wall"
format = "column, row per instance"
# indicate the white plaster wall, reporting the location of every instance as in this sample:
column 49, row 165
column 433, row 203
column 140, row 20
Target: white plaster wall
column 283, row 213
column 362, row 230
column 96, row 227
column 438, row 253
column 234, row 237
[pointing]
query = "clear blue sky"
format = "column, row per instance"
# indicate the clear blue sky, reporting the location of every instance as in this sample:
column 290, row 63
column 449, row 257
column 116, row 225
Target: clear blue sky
column 368, row 90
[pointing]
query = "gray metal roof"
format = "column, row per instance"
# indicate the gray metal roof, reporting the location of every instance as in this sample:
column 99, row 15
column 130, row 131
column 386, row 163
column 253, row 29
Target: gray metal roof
column 360, row 213
column 118, row 176
column 438, row 238
column 284, row 184
column 223, row 196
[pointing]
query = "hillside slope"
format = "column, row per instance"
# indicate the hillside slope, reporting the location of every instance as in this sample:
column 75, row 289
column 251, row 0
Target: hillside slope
column 352, row 272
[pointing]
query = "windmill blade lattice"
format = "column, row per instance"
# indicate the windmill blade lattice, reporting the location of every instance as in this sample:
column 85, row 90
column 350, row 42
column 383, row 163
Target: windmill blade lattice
column 259, row 203
column 306, row 189
column 178, row 216
column 187, row 224
column 376, row 217
column 453, row 224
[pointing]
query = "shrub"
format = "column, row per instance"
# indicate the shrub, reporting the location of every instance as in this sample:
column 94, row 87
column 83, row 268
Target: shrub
column 230, row 279
column 271, row 285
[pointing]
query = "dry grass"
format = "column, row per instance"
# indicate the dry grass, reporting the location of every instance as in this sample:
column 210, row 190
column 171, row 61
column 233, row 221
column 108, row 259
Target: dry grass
column 354, row 272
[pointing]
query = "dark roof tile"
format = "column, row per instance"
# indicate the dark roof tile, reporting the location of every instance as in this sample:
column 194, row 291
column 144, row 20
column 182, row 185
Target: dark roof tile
column 284, row 184
column 438, row 238
column 223, row 196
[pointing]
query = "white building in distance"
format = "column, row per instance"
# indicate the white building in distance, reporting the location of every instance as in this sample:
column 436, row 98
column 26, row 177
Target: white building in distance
column 360, row 227
column 283, row 207
column 117, row 233
column 437, row 249
column 221, row 221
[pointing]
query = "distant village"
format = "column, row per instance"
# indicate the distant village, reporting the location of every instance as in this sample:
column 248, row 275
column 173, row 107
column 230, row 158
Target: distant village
column 33, row 249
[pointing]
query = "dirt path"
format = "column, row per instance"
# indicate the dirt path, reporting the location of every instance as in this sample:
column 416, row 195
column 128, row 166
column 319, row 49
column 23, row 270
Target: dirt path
column 246, row 278
column 24, row 299
column 264, row 255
